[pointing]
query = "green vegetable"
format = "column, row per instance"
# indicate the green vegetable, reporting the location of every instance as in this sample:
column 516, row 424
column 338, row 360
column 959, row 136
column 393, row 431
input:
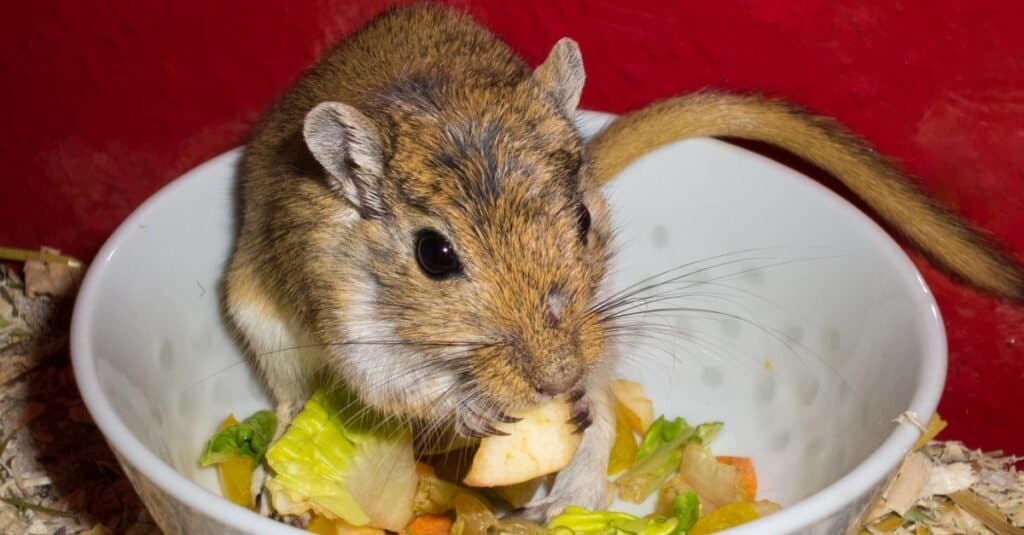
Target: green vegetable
column 660, row 432
column 344, row 460
column 686, row 509
column 248, row 438
column 583, row 522
column 659, row 455
column 707, row 432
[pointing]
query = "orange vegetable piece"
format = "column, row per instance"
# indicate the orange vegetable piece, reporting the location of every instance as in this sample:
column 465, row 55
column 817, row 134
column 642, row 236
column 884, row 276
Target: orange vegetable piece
column 745, row 468
column 430, row 525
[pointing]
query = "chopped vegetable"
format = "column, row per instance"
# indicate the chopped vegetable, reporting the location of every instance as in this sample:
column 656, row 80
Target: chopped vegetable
column 745, row 468
column 354, row 471
column 661, row 459
column 636, row 408
column 541, row 443
column 321, row 526
column 673, row 488
column 725, row 517
column 624, row 448
column 717, row 482
column 661, row 432
column 434, row 496
column 235, row 473
column 430, row 525
column 686, row 509
column 249, row 438
column 324, row 526
column 473, row 515
column 340, row 459
column 584, row 522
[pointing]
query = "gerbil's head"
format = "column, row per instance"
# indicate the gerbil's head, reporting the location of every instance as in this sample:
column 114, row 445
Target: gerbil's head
column 482, row 243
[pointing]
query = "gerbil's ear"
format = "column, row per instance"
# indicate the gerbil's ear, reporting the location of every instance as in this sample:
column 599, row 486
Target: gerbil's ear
column 345, row 143
column 562, row 76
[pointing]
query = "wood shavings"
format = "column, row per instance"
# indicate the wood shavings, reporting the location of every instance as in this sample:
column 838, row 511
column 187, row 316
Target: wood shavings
column 911, row 478
column 46, row 486
column 51, row 278
column 966, row 492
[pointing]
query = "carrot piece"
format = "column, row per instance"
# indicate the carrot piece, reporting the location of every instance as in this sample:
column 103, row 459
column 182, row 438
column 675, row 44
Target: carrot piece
column 745, row 468
column 430, row 525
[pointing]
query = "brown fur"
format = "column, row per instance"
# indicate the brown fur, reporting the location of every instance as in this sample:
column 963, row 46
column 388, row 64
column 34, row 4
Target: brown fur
column 941, row 235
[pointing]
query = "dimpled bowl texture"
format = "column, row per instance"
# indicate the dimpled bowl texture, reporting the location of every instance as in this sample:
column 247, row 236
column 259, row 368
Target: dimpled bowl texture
column 808, row 331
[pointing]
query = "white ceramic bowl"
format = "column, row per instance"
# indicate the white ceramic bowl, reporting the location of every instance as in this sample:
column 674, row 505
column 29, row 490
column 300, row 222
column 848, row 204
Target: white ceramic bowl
column 839, row 334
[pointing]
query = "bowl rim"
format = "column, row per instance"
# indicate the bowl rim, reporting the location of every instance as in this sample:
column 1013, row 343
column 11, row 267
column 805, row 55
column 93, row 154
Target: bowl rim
column 826, row 502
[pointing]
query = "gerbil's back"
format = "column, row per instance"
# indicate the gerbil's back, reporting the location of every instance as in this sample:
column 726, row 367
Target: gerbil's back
column 417, row 44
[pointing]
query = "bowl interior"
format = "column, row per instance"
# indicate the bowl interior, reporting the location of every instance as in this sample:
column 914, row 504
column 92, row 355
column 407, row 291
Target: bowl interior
column 800, row 324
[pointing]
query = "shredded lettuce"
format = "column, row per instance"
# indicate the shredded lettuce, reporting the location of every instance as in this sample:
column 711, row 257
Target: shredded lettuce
column 249, row 438
column 685, row 510
column 341, row 459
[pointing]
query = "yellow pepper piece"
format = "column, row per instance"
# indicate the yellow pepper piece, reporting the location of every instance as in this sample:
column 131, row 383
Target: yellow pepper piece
column 321, row 526
column 236, row 474
column 725, row 517
column 624, row 449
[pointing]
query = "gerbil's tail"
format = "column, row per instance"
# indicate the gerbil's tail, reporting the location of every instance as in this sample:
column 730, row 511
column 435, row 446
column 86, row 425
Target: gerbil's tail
column 934, row 230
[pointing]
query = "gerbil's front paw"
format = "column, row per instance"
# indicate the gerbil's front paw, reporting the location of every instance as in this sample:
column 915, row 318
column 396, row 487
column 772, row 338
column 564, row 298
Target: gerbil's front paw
column 580, row 415
column 586, row 492
column 477, row 420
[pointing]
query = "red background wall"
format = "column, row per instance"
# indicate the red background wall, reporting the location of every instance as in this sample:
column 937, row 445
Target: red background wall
column 104, row 102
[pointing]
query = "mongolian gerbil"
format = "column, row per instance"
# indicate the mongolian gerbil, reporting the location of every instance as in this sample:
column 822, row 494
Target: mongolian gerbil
column 422, row 221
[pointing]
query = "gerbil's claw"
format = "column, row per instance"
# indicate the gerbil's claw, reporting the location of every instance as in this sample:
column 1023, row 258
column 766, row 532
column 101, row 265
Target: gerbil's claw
column 506, row 419
column 466, row 431
column 580, row 416
column 474, row 421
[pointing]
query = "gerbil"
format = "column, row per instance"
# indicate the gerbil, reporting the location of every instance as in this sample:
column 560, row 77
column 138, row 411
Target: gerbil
column 422, row 221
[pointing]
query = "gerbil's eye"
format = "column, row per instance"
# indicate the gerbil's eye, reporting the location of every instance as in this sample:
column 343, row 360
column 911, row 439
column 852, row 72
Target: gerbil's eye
column 583, row 219
column 436, row 255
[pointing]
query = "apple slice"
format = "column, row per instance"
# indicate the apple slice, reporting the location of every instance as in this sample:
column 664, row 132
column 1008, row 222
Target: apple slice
column 541, row 443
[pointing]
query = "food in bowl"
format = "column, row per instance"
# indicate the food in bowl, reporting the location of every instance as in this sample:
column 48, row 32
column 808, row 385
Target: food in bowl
column 341, row 467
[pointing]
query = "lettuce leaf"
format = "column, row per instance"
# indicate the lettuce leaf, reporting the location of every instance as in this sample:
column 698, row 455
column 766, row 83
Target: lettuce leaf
column 341, row 459
column 249, row 438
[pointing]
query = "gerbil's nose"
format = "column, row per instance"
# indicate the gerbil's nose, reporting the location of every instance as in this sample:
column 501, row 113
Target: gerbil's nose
column 558, row 381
